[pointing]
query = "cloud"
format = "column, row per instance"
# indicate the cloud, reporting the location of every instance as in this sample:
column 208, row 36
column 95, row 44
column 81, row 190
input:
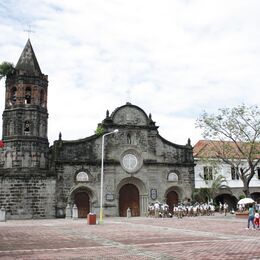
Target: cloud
column 173, row 58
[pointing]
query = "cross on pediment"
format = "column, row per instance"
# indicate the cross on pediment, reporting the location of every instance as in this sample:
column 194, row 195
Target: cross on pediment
column 128, row 95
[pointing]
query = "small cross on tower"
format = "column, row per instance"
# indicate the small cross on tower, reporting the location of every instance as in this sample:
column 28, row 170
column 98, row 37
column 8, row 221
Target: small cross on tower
column 29, row 31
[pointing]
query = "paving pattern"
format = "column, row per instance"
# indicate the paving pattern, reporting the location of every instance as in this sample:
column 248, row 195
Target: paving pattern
column 212, row 237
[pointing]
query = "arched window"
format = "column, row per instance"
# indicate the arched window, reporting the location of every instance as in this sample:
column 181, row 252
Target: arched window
column 82, row 177
column 28, row 95
column 42, row 98
column 42, row 132
column 26, row 127
column 11, row 128
column 173, row 176
column 13, row 95
column 9, row 160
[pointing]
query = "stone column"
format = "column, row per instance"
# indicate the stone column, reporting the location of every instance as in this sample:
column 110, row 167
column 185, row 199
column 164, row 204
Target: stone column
column 143, row 205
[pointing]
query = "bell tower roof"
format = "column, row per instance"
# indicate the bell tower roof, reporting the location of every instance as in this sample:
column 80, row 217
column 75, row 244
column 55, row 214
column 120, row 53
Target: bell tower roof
column 28, row 61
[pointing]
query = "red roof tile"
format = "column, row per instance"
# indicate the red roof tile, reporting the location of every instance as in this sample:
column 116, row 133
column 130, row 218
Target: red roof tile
column 227, row 149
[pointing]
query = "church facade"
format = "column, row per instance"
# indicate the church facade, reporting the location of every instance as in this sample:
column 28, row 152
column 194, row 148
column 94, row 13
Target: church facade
column 37, row 181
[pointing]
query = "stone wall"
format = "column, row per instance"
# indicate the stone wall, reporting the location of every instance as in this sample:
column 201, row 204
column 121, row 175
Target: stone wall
column 28, row 196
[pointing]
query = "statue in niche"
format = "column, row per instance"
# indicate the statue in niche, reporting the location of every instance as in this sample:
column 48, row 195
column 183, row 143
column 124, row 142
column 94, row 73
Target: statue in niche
column 128, row 138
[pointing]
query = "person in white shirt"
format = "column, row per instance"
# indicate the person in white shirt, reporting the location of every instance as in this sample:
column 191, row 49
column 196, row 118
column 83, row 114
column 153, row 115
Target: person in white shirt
column 156, row 209
column 225, row 206
column 220, row 207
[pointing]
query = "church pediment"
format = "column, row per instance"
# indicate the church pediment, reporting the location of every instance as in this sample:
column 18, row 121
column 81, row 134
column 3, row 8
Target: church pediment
column 129, row 115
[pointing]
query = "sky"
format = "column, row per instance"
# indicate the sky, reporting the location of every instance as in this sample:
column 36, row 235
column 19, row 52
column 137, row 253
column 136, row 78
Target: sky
column 173, row 58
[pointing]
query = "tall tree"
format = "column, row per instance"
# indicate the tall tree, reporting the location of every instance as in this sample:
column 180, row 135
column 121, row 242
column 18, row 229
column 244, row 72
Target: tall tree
column 235, row 135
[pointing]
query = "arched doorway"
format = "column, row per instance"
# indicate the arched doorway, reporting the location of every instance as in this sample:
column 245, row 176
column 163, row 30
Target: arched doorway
column 82, row 202
column 229, row 199
column 172, row 198
column 129, row 198
column 255, row 196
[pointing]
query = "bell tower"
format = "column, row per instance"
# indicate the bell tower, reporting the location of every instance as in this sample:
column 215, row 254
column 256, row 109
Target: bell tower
column 25, row 117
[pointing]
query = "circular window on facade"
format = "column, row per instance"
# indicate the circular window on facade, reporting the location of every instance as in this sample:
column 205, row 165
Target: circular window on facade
column 131, row 161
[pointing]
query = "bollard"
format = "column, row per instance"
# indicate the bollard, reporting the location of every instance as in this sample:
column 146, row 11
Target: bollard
column 68, row 211
column 128, row 213
column 2, row 214
column 74, row 212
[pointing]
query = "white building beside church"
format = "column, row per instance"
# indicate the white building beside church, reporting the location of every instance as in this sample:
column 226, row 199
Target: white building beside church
column 207, row 165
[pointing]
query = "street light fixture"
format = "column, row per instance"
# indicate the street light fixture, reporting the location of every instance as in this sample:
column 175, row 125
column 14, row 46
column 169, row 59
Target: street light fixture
column 102, row 175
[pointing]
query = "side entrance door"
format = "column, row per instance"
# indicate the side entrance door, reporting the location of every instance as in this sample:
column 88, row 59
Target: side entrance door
column 172, row 199
column 82, row 203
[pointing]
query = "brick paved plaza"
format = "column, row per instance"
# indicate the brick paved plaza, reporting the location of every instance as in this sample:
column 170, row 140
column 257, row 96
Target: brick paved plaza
column 213, row 237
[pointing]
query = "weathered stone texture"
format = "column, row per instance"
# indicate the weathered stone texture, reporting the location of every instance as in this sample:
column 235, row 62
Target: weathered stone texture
column 130, row 116
column 28, row 196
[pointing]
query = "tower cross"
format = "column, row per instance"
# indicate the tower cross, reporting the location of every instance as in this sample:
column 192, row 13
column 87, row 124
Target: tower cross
column 29, row 31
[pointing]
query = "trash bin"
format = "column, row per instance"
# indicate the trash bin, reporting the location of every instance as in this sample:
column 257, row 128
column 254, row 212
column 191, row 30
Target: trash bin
column 92, row 219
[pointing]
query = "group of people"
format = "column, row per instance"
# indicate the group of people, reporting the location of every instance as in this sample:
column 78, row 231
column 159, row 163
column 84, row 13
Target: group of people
column 180, row 210
column 223, row 208
column 162, row 210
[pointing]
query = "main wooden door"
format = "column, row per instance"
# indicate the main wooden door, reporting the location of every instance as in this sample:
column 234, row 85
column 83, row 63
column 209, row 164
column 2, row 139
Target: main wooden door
column 172, row 199
column 129, row 198
column 82, row 203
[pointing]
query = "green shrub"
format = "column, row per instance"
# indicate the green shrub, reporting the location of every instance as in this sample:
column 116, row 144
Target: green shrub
column 242, row 196
column 6, row 69
column 100, row 130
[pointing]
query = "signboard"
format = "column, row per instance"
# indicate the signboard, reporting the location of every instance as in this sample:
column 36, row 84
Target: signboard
column 110, row 197
column 153, row 194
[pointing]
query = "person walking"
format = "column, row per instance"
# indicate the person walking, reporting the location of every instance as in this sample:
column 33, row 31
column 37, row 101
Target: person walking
column 156, row 209
column 220, row 207
column 251, row 217
column 225, row 206
column 256, row 220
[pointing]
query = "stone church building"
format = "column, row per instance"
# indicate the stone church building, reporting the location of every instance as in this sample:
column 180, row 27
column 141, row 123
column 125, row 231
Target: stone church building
column 41, row 181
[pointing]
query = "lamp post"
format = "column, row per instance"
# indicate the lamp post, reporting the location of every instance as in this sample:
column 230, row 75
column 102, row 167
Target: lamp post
column 102, row 175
